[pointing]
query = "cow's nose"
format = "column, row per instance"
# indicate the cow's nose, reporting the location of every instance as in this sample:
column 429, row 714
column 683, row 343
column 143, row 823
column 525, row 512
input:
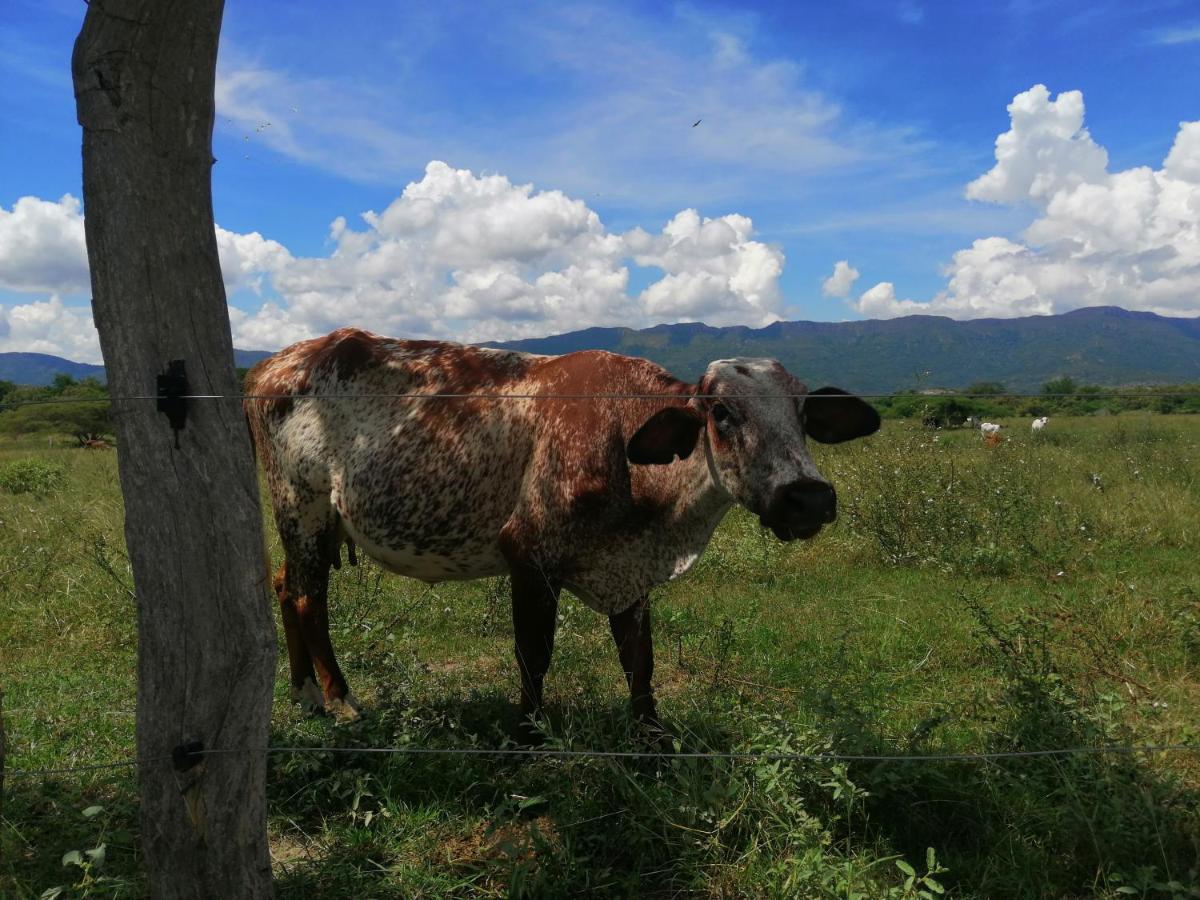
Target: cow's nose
column 810, row 501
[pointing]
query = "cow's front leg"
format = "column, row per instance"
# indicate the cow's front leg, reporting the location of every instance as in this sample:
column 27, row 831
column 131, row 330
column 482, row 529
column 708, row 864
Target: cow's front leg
column 631, row 631
column 535, row 613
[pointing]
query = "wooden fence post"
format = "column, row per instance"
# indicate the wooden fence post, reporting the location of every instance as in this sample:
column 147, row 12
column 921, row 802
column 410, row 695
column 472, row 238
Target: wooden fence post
column 144, row 74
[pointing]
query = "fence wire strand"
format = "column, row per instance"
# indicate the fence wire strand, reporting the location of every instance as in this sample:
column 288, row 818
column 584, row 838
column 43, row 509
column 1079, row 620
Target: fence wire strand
column 1090, row 395
column 551, row 753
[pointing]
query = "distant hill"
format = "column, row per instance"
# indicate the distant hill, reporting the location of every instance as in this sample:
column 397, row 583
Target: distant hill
column 1101, row 345
column 40, row 368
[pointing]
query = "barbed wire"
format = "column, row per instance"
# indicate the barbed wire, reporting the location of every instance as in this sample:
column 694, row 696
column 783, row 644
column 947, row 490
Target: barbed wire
column 1057, row 395
column 553, row 753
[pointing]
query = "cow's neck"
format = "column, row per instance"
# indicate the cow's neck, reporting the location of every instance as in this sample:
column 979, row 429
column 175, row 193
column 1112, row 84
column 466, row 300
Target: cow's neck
column 699, row 499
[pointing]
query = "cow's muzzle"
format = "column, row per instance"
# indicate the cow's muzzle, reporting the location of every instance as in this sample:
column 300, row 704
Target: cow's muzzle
column 800, row 509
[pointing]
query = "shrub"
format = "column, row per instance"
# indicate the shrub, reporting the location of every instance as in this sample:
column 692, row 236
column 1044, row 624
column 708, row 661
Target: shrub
column 982, row 512
column 32, row 476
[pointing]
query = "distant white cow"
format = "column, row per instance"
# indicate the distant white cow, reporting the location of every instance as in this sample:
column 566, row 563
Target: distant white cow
column 1040, row 423
column 986, row 428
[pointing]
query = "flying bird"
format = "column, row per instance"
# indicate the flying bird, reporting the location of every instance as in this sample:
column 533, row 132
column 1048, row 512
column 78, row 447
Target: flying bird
column 697, row 122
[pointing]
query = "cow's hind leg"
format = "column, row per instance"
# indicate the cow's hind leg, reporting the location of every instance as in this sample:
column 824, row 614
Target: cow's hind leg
column 535, row 613
column 635, row 646
column 304, row 688
column 306, row 586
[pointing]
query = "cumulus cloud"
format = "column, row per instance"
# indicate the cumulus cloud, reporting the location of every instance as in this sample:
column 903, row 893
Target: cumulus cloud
column 1046, row 150
column 246, row 258
column 41, row 246
column 714, row 271
column 841, row 281
column 473, row 257
column 49, row 326
column 1129, row 238
column 457, row 255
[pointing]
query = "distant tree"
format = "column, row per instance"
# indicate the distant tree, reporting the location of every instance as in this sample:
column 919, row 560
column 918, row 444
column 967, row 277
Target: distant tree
column 61, row 382
column 986, row 388
column 6, row 388
column 90, row 419
column 1064, row 385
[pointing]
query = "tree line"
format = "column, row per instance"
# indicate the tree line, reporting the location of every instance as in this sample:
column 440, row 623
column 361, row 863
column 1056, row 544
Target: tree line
column 983, row 399
column 1059, row 397
column 83, row 419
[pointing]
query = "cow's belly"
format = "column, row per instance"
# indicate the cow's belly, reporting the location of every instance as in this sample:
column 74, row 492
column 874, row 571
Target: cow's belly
column 621, row 570
column 472, row 558
column 435, row 528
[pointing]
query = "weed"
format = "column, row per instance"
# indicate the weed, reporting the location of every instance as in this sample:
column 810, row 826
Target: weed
column 32, row 476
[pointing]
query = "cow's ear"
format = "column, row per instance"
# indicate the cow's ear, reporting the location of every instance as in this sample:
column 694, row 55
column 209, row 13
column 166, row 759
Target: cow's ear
column 669, row 433
column 831, row 416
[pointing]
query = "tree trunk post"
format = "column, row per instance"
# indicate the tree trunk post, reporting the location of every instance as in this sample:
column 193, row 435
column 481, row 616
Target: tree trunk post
column 144, row 74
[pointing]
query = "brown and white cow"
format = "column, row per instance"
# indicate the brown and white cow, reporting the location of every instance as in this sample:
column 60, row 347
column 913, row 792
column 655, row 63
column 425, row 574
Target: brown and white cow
column 550, row 484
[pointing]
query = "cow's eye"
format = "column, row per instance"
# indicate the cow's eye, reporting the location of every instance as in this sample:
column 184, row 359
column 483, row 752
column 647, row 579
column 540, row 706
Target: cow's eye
column 722, row 416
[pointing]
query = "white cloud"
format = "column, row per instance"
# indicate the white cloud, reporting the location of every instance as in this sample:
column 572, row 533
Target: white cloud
column 1187, row 34
column 42, row 247
column 1183, row 162
column 1129, row 238
column 713, row 271
column 473, row 257
column 1046, row 150
column 841, row 281
column 245, row 258
column 49, row 326
column 456, row 255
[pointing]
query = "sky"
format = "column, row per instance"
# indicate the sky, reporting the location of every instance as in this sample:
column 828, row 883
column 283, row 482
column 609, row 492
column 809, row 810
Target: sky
column 488, row 171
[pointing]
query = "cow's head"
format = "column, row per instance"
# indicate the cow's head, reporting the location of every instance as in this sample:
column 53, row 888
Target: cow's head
column 752, row 418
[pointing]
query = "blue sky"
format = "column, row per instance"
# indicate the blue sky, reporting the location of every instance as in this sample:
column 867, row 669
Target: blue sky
column 845, row 131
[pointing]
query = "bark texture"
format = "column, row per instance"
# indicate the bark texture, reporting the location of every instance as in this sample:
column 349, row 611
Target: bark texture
column 144, row 73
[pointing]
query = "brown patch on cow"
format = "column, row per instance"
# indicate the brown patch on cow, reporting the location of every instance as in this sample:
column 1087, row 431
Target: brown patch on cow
column 268, row 387
column 993, row 439
column 347, row 351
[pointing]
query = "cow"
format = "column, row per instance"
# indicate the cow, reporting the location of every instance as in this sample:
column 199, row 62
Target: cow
column 594, row 472
column 1040, row 423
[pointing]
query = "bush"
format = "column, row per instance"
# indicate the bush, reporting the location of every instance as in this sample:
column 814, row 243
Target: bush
column 32, row 476
column 986, row 515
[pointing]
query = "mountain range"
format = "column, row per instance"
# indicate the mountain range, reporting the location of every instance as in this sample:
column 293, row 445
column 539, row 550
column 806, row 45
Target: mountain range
column 1099, row 345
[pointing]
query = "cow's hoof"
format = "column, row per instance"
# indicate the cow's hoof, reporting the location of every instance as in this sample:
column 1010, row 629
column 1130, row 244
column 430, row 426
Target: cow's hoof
column 344, row 709
column 655, row 736
column 528, row 734
column 309, row 696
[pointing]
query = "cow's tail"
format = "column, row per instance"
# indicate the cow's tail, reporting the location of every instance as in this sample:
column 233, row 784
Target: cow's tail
column 253, row 423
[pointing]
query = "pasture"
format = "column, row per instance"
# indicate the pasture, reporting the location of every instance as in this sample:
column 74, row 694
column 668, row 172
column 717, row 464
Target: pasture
column 1042, row 593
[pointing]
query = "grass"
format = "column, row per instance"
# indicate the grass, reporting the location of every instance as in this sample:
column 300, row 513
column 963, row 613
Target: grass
column 1039, row 594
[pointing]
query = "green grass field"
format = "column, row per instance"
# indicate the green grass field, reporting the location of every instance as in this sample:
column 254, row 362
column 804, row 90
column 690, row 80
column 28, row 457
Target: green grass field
column 1039, row 594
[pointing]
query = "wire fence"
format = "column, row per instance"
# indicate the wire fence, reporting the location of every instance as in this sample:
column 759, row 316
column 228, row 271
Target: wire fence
column 474, row 395
column 555, row 753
